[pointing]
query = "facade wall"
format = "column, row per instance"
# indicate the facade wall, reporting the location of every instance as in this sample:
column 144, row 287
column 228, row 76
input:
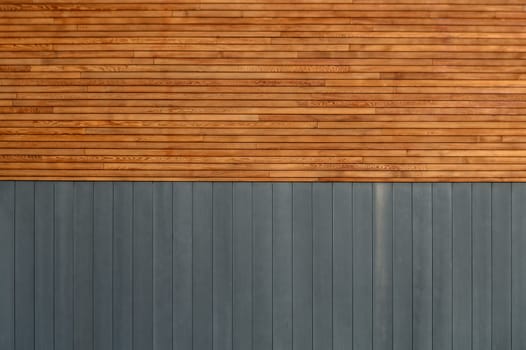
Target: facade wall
column 263, row 90
column 204, row 266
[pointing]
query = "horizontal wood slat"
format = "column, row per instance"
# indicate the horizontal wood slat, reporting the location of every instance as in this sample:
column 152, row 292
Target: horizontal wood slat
column 263, row 90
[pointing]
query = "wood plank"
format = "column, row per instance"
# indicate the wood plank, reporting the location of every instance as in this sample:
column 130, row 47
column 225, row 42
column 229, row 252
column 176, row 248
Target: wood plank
column 433, row 80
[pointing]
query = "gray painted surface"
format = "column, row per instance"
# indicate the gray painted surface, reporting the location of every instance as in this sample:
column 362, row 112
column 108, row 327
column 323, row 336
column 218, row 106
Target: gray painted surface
column 234, row 266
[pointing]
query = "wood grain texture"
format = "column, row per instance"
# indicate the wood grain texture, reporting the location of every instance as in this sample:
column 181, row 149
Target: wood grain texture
column 263, row 90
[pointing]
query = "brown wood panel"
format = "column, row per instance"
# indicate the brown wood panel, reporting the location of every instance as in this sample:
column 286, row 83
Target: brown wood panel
column 263, row 90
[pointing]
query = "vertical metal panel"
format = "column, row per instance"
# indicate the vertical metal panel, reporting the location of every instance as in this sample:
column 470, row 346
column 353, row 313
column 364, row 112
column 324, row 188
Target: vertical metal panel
column 202, row 267
column 402, row 267
column 302, row 266
column 481, row 264
column 122, row 266
column 103, row 265
column 383, row 266
column 322, row 264
column 83, row 265
column 64, row 272
column 24, row 265
column 422, row 267
column 222, row 266
column 342, row 266
column 142, row 265
column 518, row 268
column 442, row 267
column 44, row 270
column 362, row 266
column 242, row 266
column 262, row 266
column 7, row 265
column 262, row 255
column 501, row 266
column 162, row 265
column 282, row 261
column 182, row 265
column 462, row 266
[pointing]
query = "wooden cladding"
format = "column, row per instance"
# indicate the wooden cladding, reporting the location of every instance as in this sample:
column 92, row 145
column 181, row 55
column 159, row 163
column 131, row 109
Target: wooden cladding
column 305, row 90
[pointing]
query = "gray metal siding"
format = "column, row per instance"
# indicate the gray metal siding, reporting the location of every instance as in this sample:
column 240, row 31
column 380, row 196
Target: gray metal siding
column 235, row 266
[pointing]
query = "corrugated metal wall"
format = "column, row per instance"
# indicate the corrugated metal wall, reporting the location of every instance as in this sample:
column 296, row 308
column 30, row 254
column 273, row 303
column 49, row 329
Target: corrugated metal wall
column 262, row 266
